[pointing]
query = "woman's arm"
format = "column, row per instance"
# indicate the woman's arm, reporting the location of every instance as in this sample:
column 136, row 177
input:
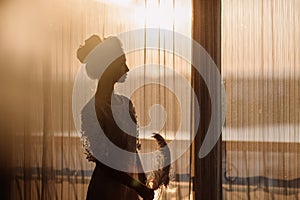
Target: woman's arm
column 141, row 175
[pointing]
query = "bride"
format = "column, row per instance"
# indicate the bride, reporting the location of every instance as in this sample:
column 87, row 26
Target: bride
column 107, row 182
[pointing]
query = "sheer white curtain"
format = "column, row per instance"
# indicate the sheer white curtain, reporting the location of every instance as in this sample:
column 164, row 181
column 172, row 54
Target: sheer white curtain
column 40, row 39
column 261, row 69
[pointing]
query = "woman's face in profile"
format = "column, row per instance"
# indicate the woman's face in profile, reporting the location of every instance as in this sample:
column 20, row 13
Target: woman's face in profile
column 118, row 70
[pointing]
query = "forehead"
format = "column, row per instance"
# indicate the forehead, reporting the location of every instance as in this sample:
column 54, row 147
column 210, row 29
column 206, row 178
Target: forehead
column 122, row 58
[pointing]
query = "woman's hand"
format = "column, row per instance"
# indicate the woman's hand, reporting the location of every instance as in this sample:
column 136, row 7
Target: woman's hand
column 148, row 194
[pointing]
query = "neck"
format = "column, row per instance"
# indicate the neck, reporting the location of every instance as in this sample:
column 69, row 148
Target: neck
column 105, row 90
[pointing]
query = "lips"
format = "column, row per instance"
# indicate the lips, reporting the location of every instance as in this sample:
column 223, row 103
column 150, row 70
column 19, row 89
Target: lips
column 124, row 77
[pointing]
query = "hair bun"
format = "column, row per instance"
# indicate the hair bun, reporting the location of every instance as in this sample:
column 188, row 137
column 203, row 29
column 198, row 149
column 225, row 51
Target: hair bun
column 90, row 44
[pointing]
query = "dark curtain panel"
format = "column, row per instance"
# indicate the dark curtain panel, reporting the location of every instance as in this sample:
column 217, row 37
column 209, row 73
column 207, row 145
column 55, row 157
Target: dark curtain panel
column 207, row 32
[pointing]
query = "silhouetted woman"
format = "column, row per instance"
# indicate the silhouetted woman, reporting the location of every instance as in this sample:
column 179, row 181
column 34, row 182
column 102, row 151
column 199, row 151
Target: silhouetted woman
column 108, row 183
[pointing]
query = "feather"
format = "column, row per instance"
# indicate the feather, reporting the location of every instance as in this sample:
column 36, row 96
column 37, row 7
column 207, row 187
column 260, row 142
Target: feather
column 160, row 177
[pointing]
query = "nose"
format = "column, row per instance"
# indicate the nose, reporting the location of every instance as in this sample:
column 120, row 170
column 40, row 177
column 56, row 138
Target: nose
column 126, row 68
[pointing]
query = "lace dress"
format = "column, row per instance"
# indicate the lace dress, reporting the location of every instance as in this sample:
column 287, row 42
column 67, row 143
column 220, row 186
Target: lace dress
column 103, row 185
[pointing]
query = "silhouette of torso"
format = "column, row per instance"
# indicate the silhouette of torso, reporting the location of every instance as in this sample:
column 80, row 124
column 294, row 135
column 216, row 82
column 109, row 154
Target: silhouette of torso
column 104, row 184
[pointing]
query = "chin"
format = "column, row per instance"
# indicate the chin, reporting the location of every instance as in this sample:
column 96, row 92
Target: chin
column 122, row 80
